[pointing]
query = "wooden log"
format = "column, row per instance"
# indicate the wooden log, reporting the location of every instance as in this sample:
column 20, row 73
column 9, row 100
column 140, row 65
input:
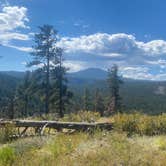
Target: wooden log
column 58, row 125
column 37, row 129
column 43, row 128
column 23, row 132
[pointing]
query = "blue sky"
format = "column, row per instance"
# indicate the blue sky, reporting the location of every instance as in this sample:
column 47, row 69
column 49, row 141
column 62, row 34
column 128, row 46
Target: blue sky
column 93, row 33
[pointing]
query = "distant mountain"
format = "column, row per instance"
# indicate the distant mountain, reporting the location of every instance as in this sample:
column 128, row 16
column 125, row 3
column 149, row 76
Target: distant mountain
column 83, row 77
column 16, row 74
column 90, row 73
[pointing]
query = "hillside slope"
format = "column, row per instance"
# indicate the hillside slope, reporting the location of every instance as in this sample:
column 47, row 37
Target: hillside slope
column 146, row 96
column 7, row 84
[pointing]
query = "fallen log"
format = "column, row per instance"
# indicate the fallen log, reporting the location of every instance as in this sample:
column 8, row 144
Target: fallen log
column 81, row 126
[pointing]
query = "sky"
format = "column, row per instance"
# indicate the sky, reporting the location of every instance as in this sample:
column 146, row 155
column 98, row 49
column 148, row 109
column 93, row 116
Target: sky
column 93, row 34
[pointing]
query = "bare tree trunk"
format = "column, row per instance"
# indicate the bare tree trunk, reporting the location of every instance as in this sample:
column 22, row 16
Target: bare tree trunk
column 26, row 106
column 11, row 108
column 60, row 95
column 47, row 85
column 112, row 107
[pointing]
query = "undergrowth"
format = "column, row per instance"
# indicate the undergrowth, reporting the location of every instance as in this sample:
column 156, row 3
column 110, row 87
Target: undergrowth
column 141, row 124
column 82, row 149
column 136, row 139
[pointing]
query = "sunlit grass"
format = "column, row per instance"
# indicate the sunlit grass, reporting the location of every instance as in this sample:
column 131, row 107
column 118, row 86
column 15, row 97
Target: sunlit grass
column 82, row 116
column 101, row 148
column 136, row 139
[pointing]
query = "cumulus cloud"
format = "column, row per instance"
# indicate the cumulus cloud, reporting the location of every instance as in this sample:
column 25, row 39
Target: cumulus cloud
column 136, row 72
column 74, row 66
column 13, row 17
column 100, row 44
column 141, row 73
column 121, row 45
column 12, row 20
column 137, row 59
column 154, row 48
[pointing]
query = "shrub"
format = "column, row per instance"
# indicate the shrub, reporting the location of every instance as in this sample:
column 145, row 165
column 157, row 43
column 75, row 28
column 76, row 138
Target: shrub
column 127, row 123
column 6, row 133
column 27, row 144
column 65, row 144
column 161, row 143
column 82, row 116
column 7, row 156
column 141, row 124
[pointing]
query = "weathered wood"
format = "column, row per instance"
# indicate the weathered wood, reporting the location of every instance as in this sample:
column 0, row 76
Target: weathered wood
column 60, row 125
column 43, row 128
column 41, row 125
column 23, row 132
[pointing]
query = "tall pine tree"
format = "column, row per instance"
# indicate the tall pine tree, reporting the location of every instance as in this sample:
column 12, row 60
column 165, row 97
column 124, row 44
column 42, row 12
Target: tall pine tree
column 60, row 94
column 87, row 100
column 99, row 103
column 23, row 94
column 114, row 82
column 44, row 55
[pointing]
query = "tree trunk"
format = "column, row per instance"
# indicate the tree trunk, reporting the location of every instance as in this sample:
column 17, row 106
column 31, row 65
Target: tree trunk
column 26, row 106
column 47, row 85
column 11, row 109
column 112, row 107
column 60, row 95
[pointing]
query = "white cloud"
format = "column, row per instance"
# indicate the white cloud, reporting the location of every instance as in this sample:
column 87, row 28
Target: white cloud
column 6, row 37
column 20, row 48
column 141, row 73
column 159, row 62
column 103, row 44
column 154, row 48
column 99, row 44
column 74, row 66
column 12, row 20
column 137, row 59
column 13, row 17
column 136, row 72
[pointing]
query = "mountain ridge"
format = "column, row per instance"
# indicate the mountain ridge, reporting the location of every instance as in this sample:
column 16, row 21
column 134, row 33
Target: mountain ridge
column 88, row 74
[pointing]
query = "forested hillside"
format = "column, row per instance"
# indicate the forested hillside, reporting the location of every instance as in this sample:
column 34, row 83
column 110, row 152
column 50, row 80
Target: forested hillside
column 7, row 84
column 140, row 95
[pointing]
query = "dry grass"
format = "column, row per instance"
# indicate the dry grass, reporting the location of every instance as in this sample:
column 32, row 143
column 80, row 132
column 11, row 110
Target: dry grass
column 136, row 140
column 80, row 149
column 82, row 116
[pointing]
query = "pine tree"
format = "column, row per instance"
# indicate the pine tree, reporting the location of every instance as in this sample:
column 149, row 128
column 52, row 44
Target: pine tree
column 11, row 110
column 44, row 55
column 23, row 94
column 114, row 82
column 38, row 91
column 99, row 103
column 87, row 100
column 61, row 95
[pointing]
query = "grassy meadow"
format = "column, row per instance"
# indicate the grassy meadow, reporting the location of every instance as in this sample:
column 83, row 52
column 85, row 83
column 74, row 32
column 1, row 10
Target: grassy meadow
column 136, row 139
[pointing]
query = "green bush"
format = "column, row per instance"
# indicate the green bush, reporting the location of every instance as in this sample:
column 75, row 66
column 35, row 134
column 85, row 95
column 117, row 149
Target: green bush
column 6, row 133
column 82, row 116
column 141, row 124
column 7, row 156
column 27, row 144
